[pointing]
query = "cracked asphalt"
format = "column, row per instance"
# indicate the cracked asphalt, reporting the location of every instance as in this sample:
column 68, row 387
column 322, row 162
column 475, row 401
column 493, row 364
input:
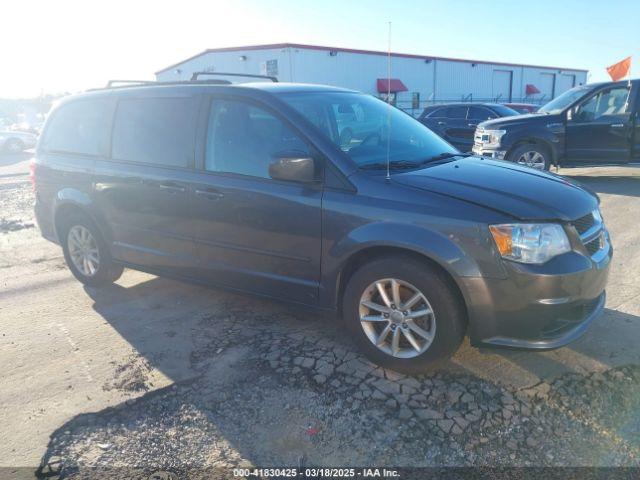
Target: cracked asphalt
column 154, row 374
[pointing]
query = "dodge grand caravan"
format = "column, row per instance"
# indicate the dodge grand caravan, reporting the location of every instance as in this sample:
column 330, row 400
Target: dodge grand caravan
column 250, row 187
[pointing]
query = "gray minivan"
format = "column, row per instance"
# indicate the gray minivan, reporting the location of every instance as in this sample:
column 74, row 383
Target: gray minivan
column 249, row 187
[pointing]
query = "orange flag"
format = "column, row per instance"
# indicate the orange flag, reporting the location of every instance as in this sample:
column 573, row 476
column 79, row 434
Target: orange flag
column 619, row 70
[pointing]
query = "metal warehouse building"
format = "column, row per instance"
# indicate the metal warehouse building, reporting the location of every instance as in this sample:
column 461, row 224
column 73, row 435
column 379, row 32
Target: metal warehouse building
column 417, row 80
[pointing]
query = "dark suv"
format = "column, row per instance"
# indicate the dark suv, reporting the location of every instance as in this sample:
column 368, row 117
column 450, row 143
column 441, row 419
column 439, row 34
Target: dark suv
column 249, row 187
column 457, row 122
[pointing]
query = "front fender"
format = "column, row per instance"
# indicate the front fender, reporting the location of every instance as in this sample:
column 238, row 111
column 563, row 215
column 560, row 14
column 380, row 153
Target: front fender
column 442, row 249
column 553, row 139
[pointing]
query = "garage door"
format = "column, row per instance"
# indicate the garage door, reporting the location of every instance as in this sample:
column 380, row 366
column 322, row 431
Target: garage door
column 502, row 80
column 547, row 84
column 565, row 82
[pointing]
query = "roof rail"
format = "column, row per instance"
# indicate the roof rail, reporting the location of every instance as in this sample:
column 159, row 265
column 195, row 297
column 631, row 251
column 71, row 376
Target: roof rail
column 114, row 83
column 195, row 75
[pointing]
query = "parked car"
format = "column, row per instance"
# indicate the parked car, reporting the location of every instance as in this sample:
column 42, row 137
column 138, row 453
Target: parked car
column 30, row 127
column 457, row 122
column 589, row 124
column 249, row 187
column 523, row 108
column 12, row 141
column 355, row 123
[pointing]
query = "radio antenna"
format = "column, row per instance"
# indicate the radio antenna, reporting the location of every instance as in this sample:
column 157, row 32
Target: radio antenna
column 389, row 104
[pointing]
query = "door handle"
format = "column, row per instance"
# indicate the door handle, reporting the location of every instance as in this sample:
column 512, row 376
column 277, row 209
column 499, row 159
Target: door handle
column 617, row 125
column 442, row 123
column 472, row 124
column 172, row 187
column 210, row 194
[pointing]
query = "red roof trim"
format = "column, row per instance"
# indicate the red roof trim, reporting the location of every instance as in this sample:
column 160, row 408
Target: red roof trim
column 354, row 50
column 531, row 89
column 393, row 85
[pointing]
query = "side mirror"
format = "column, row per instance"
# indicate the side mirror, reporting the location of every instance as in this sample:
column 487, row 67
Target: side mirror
column 293, row 167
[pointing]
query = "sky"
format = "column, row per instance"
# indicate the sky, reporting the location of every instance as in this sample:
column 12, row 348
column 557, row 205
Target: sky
column 67, row 45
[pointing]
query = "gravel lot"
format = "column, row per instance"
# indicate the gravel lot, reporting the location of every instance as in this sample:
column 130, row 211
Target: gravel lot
column 160, row 375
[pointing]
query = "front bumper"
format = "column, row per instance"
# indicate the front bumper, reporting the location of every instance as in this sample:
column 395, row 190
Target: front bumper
column 487, row 152
column 538, row 307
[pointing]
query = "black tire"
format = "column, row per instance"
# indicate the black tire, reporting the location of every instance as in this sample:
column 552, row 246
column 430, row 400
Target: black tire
column 449, row 312
column 14, row 145
column 524, row 149
column 108, row 271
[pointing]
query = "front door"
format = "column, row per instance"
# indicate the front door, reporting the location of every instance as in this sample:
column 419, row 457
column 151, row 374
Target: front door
column 451, row 124
column 599, row 128
column 253, row 232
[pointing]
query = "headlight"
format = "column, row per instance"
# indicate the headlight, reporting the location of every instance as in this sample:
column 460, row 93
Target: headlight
column 530, row 242
column 491, row 138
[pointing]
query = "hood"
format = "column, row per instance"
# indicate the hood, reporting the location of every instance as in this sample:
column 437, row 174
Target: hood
column 520, row 192
column 516, row 120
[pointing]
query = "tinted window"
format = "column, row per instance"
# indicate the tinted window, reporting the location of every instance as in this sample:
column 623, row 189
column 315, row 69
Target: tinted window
column 155, row 130
column 244, row 139
column 607, row 102
column 480, row 113
column 438, row 112
column 455, row 112
column 80, row 127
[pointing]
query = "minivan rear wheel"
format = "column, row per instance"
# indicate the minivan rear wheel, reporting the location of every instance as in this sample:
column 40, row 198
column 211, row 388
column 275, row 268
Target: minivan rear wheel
column 86, row 252
column 404, row 315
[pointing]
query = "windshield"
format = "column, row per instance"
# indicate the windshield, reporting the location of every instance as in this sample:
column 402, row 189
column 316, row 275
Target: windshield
column 561, row 102
column 358, row 125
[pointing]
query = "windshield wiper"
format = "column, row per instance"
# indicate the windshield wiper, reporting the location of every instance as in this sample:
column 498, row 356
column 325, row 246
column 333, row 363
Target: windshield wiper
column 393, row 165
column 404, row 164
column 444, row 156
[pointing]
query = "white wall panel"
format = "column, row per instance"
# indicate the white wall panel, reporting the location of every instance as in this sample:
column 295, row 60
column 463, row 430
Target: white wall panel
column 437, row 80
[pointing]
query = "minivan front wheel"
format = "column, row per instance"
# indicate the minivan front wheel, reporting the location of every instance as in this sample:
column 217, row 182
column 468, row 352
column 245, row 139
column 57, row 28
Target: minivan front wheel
column 86, row 253
column 404, row 315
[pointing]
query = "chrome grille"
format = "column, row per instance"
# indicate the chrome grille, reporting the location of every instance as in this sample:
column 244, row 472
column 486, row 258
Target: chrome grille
column 583, row 224
column 593, row 246
column 592, row 234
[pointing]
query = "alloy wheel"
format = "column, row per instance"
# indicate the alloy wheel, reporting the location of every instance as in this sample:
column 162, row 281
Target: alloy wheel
column 532, row 159
column 397, row 318
column 83, row 250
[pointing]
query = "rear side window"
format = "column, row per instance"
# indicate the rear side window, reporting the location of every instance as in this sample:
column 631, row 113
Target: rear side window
column 160, row 131
column 480, row 113
column 455, row 112
column 80, row 127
